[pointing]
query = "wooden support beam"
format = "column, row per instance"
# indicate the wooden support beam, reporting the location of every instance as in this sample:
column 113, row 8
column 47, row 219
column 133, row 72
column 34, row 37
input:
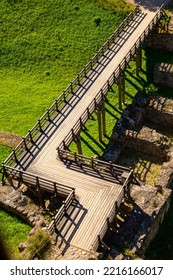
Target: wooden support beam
column 99, row 125
column 4, row 174
column 40, row 195
column 138, row 62
column 78, row 143
column 121, row 87
column 104, row 118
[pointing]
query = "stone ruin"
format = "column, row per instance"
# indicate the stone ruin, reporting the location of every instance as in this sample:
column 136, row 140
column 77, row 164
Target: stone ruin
column 163, row 74
column 146, row 126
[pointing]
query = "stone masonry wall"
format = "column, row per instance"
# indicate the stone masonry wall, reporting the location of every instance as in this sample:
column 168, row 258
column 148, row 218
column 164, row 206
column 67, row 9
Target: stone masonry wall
column 161, row 41
column 160, row 111
column 163, row 74
column 147, row 141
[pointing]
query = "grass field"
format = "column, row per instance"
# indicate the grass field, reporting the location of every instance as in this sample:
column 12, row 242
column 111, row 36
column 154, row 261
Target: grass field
column 12, row 231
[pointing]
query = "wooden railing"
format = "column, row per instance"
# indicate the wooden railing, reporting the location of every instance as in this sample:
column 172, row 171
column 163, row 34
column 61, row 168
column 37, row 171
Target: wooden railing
column 96, row 164
column 113, row 211
column 62, row 211
column 114, row 78
column 35, row 132
column 35, row 181
column 110, row 217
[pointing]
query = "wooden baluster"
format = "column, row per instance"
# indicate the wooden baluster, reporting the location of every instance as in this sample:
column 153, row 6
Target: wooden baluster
column 4, row 174
column 14, row 154
column 24, row 141
column 48, row 114
column 30, row 135
column 39, row 124
column 71, row 87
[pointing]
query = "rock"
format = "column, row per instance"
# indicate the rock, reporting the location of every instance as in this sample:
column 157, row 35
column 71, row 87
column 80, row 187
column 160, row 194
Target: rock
column 22, row 246
column 40, row 223
column 32, row 231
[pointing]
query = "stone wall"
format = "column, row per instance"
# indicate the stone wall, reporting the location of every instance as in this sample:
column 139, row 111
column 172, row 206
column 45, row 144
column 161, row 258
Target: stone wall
column 161, row 41
column 160, row 111
column 163, row 74
column 154, row 206
column 148, row 141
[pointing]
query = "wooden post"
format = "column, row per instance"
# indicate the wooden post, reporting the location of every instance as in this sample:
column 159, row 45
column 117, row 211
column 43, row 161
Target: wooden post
column 30, row 135
column 138, row 62
column 99, row 125
column 14, row 154
column 4, row 174
column 78, row 143
column 41, row 200
column 24, row 141
column 48, row 115
column 104, row 118
column 20, row 179
column 64, row 95
column 121, row 87
column 56, row 103
column 39, row 124
column 71, row 86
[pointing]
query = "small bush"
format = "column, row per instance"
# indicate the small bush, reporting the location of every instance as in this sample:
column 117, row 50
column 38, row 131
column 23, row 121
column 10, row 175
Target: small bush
column 151, row 90
column 37, row 244
column 97, row 21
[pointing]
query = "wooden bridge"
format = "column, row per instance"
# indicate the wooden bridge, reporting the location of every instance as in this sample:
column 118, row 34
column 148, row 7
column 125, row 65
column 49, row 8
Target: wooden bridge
column 93, row 189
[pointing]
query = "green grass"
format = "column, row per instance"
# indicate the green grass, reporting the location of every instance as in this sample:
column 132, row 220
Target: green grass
column 12, row 232
column 43, row 46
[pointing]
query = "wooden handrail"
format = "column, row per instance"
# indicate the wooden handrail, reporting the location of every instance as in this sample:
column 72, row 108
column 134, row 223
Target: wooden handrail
column 63, row 209
column 96, row 164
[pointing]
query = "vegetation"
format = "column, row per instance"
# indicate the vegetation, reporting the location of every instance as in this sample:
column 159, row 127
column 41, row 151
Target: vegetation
column 36, row 245
column 43, row 46
column 12, row 231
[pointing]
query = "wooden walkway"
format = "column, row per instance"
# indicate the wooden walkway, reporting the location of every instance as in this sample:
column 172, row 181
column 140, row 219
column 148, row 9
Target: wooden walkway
column 97, row 193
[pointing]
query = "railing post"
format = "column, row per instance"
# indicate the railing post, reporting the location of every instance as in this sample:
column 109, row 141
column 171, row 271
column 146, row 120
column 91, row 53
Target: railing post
column 14, row 154
column 4, row 174
column 71, row 87
column 64, row 97
column 39, row 124
column 24, row 141
column 56, row 104
column 48, row 114
column 78, row 78
column 30, row 135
